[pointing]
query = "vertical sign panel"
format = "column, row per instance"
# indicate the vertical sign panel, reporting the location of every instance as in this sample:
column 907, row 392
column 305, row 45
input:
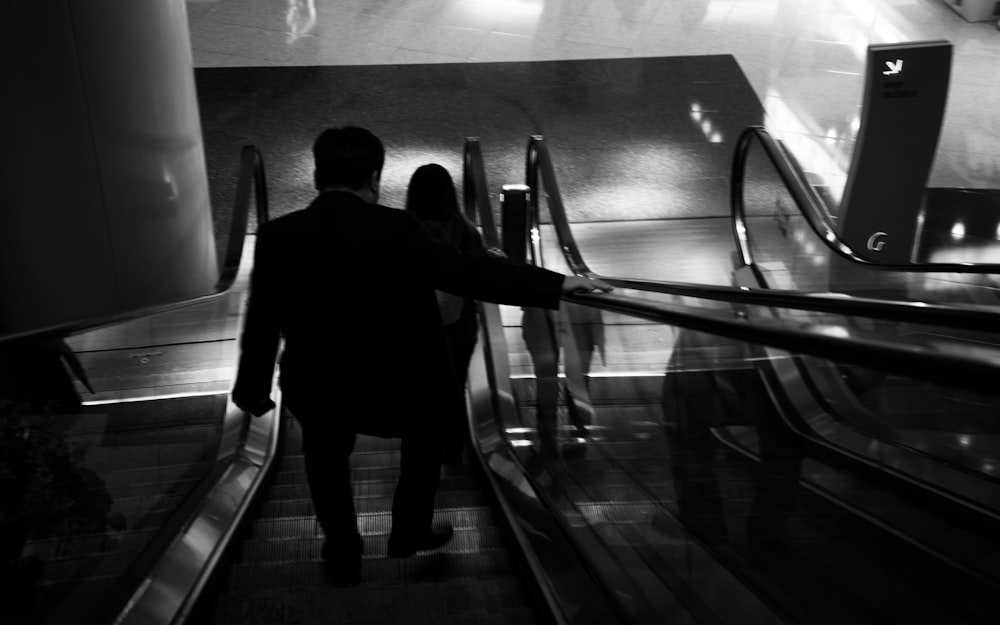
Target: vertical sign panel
column 905, row 92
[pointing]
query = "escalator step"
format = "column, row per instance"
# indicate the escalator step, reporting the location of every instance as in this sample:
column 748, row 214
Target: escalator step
column 617, row 513
column 496, row 601
column 380, row 499
column 298, row 548
column 369, row 524
column 361, row 479
column 359, row 460
column 430, row 567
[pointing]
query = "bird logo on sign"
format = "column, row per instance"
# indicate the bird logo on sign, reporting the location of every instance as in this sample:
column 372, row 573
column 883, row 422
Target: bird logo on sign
column 894, row 67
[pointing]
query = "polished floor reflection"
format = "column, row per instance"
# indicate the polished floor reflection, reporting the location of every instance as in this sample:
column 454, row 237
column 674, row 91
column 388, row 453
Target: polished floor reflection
column 804, row 59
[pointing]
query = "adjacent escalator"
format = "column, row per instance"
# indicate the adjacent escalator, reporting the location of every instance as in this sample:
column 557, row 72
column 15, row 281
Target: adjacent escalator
column 728, row 410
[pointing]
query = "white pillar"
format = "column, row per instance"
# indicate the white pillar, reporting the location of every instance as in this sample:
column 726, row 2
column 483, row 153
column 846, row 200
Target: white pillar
column 104, row 200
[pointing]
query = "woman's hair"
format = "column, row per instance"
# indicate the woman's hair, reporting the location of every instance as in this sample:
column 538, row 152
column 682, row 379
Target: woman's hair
column 431, row 196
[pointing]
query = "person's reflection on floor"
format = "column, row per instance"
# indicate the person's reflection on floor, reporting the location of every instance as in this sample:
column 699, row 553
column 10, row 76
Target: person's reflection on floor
column 580, row 332
column 700, row 394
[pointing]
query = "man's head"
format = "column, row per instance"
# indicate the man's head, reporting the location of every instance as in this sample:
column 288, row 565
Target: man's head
column 348, row 158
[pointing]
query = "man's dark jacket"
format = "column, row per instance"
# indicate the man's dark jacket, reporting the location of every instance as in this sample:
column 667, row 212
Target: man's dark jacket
column 350, row 287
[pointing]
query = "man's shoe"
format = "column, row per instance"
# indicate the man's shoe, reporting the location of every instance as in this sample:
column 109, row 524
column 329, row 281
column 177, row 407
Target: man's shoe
column 342, row 560
column 437, row 536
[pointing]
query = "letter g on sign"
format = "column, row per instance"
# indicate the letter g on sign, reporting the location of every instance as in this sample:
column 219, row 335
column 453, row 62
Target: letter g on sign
column 876, row 242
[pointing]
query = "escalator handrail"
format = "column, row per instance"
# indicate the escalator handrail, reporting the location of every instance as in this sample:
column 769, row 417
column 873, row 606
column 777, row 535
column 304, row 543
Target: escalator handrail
column 972, row 317
column 175, row 586
column 833, row 342
column 476, row 192
column 540, row 169
column 539, row 165
column 812, row 208
column 251, row 177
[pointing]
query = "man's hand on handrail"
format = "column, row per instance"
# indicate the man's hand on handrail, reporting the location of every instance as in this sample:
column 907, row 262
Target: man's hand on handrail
column 584, row 284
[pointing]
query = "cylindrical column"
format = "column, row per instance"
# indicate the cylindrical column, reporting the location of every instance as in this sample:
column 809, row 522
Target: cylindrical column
column 104, row 200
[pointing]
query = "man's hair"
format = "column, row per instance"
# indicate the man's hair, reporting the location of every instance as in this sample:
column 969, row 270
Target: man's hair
column 347, row 157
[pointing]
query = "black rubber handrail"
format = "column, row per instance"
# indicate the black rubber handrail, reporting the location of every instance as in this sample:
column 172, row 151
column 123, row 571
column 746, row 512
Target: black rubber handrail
column 971, row 317
column 832, row 342
column 540, row 174
column 812, row 208
column 539, row 168
column 476, row 192
column 251, row 178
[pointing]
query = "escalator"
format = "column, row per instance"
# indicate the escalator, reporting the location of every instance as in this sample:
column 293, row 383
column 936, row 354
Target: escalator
column 941, row 439
column 278, row 576
column 663, row 492
column 904, row 499
column 636, row 517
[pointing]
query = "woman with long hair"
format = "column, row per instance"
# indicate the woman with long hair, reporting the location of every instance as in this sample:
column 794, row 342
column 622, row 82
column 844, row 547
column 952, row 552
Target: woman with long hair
column 432, row 198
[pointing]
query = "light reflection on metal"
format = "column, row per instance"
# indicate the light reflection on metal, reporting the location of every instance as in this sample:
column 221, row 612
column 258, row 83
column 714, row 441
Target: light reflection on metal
column 835, row 331
column 696, row 111
column 598, row 374
column 183, row 571
column 958, row 231
column 129, row 400
column 517, row 430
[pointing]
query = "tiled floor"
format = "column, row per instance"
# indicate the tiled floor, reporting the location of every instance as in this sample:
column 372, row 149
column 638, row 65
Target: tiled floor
column 804, row 58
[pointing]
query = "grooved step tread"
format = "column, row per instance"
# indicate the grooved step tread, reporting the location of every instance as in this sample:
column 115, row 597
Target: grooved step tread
column 369, row 524
column 280, row 578
column 379, row 459
column 437, row 566
column 497, row 601
column 453, row 481
column 379, row 497
column 299, row 549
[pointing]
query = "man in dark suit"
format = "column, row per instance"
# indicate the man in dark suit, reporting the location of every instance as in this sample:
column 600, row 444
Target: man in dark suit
column 350, row 285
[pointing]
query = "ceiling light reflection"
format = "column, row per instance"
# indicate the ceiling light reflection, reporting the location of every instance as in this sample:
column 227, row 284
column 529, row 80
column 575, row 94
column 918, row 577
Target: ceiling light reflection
column 510, row 9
